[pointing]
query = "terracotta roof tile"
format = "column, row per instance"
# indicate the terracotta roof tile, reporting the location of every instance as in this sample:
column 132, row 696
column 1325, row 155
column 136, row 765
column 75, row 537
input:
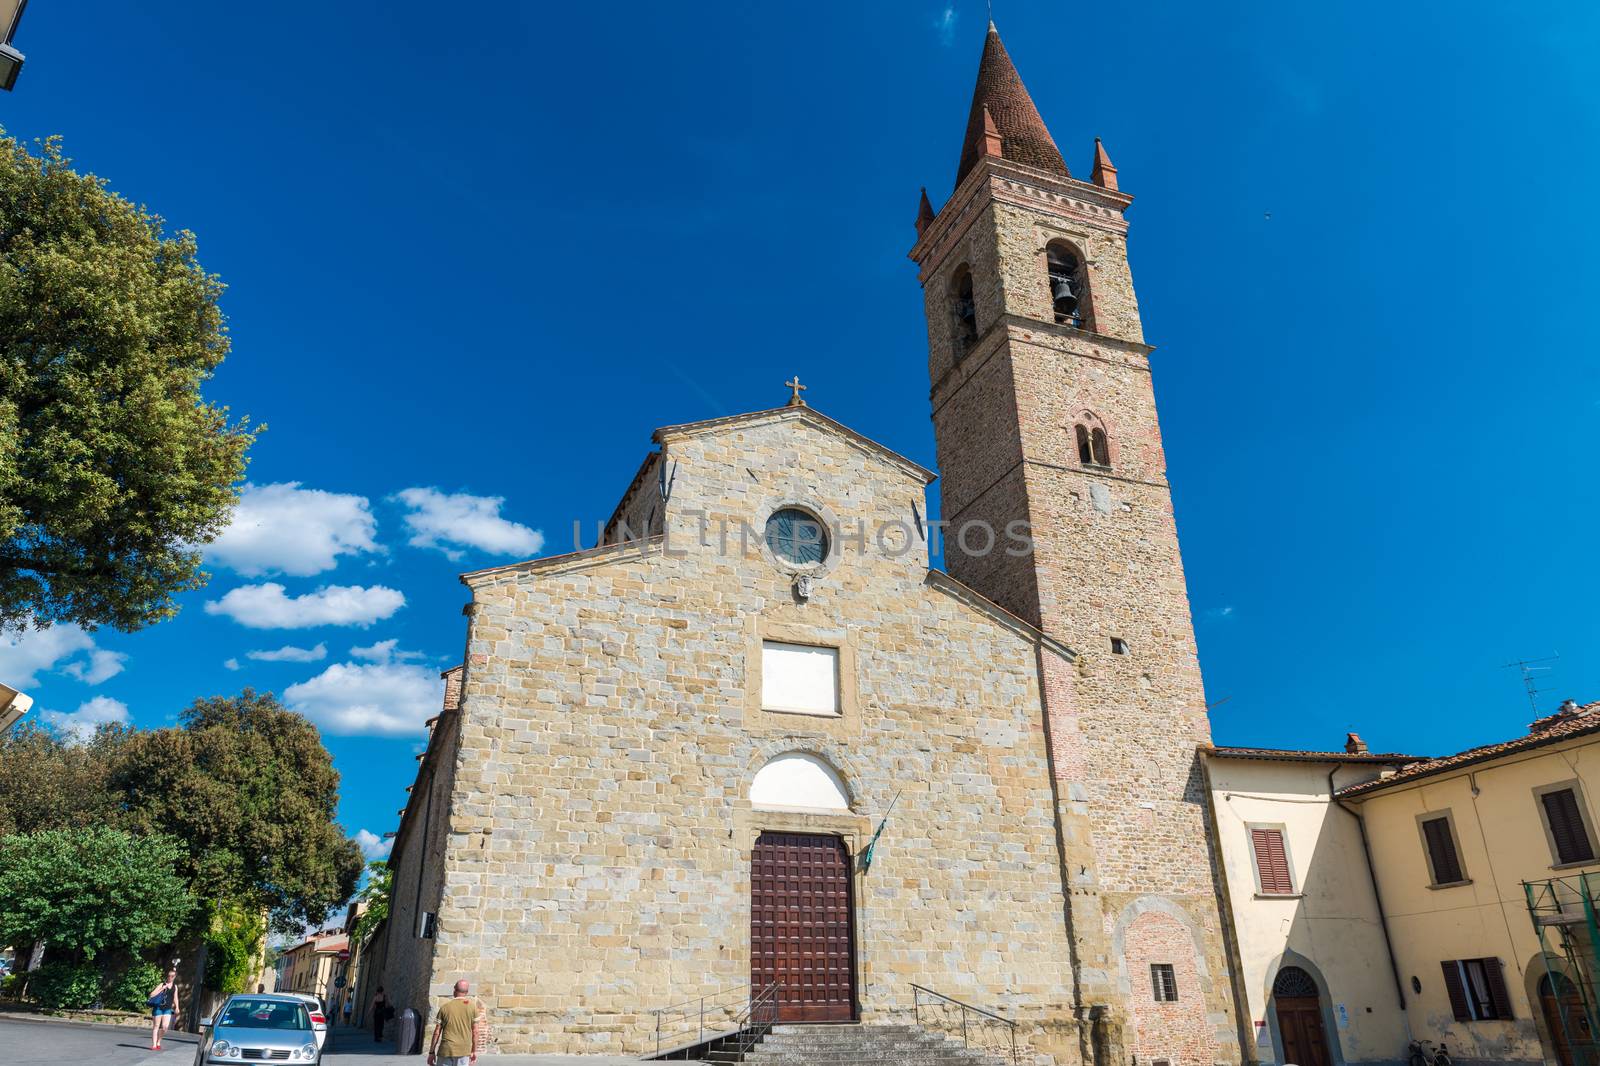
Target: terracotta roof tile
column 1023, row 136
column 1550, row 730
column 1288, row 755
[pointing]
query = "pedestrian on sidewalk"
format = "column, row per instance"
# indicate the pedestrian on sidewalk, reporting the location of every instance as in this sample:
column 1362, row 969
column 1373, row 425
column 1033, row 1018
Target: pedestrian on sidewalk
column 455, row 1033
column 380, row 1014
column 163, row 1008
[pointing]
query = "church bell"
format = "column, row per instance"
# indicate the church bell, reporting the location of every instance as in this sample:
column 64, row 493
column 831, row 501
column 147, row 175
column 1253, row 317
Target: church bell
column 1065, row 300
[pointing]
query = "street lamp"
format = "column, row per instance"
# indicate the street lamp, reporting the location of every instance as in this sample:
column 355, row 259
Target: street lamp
column 10, row 58
column 13, row 705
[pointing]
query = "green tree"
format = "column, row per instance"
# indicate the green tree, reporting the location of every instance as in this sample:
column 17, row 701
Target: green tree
column 112, row 466
column 375, row 894
column 251, row 791
column 233, row 946
column 91, row 890
column 48, row 783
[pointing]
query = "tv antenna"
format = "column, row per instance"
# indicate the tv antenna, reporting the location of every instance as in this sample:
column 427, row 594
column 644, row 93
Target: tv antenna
column 1530, row 677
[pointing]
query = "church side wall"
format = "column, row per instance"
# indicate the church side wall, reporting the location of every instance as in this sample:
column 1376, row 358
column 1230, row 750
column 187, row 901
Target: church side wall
column 600, row 859
column 410, row 977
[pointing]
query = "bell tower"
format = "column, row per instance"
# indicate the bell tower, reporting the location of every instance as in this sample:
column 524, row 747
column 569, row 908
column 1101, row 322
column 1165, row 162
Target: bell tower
column 1046, row 428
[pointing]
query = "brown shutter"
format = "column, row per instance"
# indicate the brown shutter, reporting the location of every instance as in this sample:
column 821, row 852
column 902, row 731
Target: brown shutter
column 1442, row 851
column 1457, row 993
column 1566, row 826
column 1272, row 861
column 1497, row 988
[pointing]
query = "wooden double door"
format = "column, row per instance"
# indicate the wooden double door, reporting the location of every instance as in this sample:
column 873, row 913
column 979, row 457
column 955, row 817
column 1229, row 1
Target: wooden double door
column 802, row 926
column 1566, row 1021
column 1305, row 1042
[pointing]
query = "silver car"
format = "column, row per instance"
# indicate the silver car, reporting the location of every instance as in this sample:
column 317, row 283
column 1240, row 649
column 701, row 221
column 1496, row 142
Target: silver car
column 259, row 1028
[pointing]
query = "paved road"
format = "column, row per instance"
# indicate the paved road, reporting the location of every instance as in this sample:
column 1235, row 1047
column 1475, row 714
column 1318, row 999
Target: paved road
column 31, row 1043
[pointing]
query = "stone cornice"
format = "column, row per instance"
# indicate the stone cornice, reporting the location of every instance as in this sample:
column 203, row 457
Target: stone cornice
column 938, row 579
column 604, row 554
column 1010, row 327
column 1004, row 181
column 805, row 414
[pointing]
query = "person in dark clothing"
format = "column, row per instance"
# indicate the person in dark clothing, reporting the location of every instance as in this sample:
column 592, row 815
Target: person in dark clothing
column 380, row 1014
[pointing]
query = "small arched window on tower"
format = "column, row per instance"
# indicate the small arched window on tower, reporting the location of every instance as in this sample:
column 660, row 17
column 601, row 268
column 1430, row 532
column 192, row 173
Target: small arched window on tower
column 1094, row 449
column 963, row 312
column 1069, row 285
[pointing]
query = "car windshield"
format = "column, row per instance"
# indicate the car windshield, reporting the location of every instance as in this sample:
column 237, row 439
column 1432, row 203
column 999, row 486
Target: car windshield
column 265, row 1014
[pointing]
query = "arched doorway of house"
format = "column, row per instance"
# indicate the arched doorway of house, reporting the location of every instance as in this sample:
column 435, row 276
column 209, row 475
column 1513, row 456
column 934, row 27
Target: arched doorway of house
column 1299, row 1007
column 1565, row 1021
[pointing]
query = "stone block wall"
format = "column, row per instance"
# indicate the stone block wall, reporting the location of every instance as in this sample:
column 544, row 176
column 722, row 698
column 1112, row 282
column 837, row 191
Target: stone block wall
column 599, row 847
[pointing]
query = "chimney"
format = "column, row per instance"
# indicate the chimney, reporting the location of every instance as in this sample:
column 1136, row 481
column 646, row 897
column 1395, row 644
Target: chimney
column 1354, row 744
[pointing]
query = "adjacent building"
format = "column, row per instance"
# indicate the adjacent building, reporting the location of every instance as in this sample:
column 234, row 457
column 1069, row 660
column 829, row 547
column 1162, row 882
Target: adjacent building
column 662, row 761
column 1380, row 899
column 312, row 965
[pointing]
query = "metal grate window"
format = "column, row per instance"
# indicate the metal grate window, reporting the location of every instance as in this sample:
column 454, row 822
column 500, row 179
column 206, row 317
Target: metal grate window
column 1163, row 982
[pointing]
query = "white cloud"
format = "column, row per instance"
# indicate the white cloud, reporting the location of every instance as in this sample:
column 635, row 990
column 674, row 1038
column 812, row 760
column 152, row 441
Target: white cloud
column 372, row 845
column 285, row 529
column 290, row 654
column 441, row 519
column 231, row 664
column 1217, row 613
column 101, row 664
column 25, row 655
column 384, row 652
column 946, row 24
column 79, row 725
column 266, row 607
column 381, row 699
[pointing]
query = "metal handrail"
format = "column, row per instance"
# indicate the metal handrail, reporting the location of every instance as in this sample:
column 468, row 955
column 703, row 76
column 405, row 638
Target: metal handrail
column 718, row 1002
column 753, row 1029
column 966, row 1008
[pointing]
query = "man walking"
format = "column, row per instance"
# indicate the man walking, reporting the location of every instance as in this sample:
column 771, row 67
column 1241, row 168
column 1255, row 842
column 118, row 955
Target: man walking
column 454, row 1042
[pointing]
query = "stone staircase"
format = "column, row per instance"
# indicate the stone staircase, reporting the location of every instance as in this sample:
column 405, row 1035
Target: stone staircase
column 855, row 1045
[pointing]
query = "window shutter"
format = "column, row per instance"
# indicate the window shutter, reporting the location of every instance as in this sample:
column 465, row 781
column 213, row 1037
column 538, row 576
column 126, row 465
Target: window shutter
column 1566, row 826
column 1272, row 861
column 1442, row 851
column 1456, row 990
column 1498, row 996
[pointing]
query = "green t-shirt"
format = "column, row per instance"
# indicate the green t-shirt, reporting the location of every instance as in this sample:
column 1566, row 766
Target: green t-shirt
column 455, row 1024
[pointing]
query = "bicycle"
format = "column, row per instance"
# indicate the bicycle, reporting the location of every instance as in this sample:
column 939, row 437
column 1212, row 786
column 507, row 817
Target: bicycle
column 1422, row 1056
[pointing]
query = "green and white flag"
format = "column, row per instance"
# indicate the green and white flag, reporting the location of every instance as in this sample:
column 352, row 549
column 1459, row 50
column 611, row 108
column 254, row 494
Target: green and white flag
column 872, row 845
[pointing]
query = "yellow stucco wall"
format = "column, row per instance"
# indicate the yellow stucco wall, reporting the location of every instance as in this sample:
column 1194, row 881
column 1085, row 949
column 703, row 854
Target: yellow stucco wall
column 1329, row 927
column 1502, row 842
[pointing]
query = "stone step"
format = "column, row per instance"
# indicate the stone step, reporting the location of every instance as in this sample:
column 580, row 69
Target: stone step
column 853, row 1045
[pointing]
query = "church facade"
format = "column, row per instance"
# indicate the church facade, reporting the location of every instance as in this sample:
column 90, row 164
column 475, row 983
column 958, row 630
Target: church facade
column 661, row 767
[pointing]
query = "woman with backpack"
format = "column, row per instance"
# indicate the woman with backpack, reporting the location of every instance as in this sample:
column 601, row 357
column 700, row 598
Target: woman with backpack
column 163, row 1008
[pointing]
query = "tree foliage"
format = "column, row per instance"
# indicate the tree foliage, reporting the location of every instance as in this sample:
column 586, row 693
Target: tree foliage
column 233, row 946
column 112, row 465
column 91, row 890
column 249, row 789
column 375, row 894
column 49, row 783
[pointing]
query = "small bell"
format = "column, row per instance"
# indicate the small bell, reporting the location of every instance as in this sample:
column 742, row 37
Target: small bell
column 1065, row 300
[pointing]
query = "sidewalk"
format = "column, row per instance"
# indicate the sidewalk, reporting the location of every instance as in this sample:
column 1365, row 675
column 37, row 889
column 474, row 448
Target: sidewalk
column 346, row 1044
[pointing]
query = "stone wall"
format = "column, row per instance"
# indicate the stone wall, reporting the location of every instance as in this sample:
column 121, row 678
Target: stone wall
column 407, row 960
column 600, row 841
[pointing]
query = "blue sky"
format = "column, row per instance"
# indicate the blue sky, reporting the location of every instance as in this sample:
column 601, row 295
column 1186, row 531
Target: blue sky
column 475, row 259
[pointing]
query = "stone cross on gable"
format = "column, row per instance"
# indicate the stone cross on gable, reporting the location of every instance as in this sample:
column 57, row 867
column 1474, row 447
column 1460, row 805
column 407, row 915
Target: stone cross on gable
column 795, row 400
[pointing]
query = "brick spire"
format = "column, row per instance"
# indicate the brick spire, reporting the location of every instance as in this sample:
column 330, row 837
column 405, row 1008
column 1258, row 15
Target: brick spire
column 1001, row 105
column 1104, row 174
